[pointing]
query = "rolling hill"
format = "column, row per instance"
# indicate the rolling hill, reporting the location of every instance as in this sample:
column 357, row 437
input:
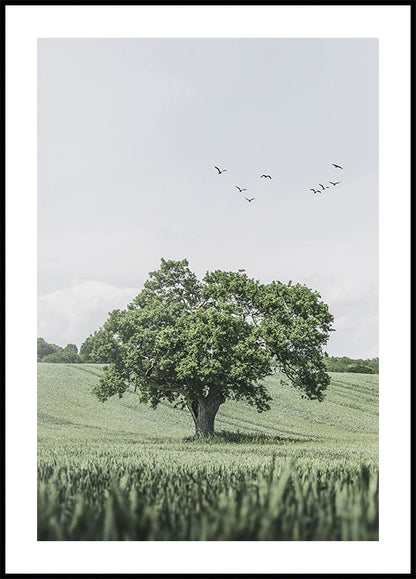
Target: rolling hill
column 68, row 409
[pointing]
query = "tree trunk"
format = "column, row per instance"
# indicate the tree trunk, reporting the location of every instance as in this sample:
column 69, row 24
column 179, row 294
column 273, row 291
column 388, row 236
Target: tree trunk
column 203, row 410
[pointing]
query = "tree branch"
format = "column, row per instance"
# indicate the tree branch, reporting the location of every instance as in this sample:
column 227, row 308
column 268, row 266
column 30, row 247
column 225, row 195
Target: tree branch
column 157, row 386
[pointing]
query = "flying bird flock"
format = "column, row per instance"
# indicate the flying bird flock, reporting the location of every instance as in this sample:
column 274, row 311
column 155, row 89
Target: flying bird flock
column 242, row 189
column 333, row 183
column 264, row 176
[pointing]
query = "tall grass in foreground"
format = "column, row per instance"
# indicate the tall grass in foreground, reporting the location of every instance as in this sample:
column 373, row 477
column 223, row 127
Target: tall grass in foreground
column 113, row 500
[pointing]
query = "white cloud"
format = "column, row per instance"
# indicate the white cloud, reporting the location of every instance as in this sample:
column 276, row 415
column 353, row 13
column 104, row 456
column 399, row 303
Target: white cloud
column 69, row 315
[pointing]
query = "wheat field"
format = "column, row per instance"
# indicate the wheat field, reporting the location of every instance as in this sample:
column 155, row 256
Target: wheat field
column 118, row 471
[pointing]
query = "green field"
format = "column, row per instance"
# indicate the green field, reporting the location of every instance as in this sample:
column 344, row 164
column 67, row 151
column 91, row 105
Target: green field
column 305, row 470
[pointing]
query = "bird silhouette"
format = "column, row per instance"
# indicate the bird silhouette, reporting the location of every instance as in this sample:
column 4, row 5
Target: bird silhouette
column 336, row 182
column 219, row 170
column 323, row 186
column 337, row 166
column 239, row 188
column 314, row 190
column 267, row 176
column 249, row 200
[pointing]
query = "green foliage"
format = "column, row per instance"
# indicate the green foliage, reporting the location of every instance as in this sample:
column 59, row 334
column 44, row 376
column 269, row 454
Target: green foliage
column 101, row 347
column 55, row 354
column 72, row 348
column 86, row 351
column 344, row 364
column 185, row 341
column 44, row 349
column 62, row 357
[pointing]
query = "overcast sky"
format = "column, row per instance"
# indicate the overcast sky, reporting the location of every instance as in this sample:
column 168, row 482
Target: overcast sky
column 129, row 132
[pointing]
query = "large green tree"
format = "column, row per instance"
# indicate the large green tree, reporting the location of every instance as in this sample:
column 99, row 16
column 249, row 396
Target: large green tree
column 198, row 343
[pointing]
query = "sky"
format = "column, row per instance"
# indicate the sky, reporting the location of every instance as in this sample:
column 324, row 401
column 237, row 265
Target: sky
column 129, row 134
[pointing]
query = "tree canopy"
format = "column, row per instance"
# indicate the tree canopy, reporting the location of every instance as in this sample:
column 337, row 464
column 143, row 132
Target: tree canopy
column 198, row 343
column 101, row 347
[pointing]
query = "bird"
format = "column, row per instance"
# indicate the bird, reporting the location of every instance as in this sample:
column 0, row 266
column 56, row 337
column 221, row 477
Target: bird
column 336, row 182
column 219, row 170
column 337, row 166
column 314, row 190
column 239, row 188
column 323, row 187
column 267, row 176
column 249, row 200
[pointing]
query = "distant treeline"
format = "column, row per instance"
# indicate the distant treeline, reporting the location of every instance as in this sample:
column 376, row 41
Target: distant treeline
column 57, row 354
column 344, row 364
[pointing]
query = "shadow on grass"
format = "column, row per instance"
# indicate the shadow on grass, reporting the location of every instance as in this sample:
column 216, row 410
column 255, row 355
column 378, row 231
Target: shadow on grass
column 227, row 437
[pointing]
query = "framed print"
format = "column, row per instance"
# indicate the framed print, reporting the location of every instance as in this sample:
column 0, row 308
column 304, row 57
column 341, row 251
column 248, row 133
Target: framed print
column 204, row 244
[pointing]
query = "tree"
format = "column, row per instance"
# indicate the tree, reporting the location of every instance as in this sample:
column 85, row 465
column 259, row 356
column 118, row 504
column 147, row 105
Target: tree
column 86, row 350
column 44, row 349
column 57, row 354
column 62, row 357
column 72, row 348
column 101, row 347
column 198, row 343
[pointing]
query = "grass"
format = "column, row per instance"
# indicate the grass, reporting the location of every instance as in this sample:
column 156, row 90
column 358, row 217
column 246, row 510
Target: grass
column 121, row 471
